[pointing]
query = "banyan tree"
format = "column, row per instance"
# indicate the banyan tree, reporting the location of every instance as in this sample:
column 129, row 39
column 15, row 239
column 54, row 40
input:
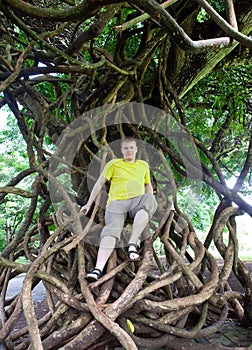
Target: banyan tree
column 78, row 76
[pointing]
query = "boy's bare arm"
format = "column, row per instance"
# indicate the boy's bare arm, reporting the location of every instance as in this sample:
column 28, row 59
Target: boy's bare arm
column 95, row 191
column 148, row 188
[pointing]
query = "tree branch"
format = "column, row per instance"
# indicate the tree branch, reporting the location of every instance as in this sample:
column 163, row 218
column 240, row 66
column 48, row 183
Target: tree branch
column 17, row 191
column 225, row 26
column 231, row 13
column 167, row 22
column 97, row 26
column 141, row 18
column 41, row 39
column 84, row 10
column 246, row 168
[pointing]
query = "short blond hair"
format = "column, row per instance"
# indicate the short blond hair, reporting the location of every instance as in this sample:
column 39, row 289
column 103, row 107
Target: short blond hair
column 128, row 139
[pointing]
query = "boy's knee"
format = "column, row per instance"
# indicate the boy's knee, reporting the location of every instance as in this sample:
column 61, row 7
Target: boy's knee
column 150, row 204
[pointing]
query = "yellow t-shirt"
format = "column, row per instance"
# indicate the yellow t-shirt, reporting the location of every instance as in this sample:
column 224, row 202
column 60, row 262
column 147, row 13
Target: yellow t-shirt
column 128, row 180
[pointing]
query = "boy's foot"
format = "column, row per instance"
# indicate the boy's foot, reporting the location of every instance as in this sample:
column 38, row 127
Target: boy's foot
column 133, row 254
column 93, row 275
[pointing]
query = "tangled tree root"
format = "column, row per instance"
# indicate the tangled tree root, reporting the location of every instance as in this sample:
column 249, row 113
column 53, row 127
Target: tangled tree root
column 159, row 301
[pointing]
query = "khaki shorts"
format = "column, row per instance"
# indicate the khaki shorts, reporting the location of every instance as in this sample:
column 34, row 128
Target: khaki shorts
column 117, row 211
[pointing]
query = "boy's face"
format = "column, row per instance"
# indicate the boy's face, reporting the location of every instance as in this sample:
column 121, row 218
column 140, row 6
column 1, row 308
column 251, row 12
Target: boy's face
column 129, row 150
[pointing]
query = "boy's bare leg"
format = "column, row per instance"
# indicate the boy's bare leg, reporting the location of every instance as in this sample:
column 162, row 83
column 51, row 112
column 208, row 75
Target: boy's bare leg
column 141, row 220
column 106, row 248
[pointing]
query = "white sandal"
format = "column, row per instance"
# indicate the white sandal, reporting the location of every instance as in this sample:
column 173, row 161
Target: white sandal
column 93, row 275
column 133, row 251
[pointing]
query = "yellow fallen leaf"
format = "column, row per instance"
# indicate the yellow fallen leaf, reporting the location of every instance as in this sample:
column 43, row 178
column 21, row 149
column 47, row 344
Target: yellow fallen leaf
column 130, row 326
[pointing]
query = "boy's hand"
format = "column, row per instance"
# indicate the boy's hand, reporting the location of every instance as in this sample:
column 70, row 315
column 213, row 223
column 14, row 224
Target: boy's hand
column 85, row 209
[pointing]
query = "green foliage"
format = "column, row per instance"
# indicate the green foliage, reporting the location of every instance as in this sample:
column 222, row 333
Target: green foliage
column 13, row 153
column 106, row 39
column 47, row 90
column 219, row 6
column 13, row 210
column 23, row 40
column 199, row 207
column 218, row 114
column 13, row 160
